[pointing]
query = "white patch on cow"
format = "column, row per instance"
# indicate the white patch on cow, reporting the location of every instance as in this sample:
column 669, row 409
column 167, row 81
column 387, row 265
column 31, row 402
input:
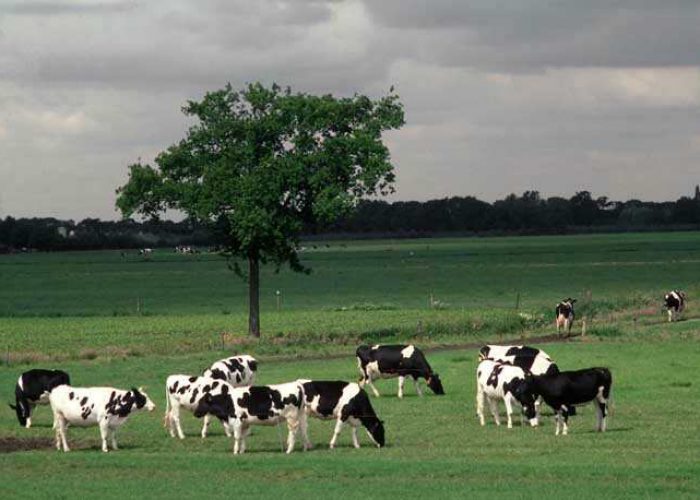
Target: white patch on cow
column 407, row 352
column 20, row 383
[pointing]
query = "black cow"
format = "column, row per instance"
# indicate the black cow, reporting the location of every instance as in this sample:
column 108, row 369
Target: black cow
column 346, row 402
column 565, row 389
column 675, row 303
column 33, row 388
column 564, row 313
column 388, row 361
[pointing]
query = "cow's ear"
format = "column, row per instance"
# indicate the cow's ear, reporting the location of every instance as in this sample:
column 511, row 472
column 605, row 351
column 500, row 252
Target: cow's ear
column 573, row 300
column 12, row 406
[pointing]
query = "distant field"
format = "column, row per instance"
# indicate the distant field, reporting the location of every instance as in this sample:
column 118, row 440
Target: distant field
column 471, row 273
column 435, row 446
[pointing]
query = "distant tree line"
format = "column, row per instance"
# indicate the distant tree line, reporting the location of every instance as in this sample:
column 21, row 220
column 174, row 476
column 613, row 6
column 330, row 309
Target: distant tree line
column 525, row 214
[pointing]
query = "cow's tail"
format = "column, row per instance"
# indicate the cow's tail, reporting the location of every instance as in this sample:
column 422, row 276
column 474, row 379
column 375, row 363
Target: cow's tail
column 166, row 417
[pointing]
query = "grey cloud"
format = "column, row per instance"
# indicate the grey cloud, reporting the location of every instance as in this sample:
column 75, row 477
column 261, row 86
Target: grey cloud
column 65, row 8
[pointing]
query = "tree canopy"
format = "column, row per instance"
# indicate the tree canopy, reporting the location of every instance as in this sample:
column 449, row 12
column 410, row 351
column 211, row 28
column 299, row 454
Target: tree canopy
column 262, row 163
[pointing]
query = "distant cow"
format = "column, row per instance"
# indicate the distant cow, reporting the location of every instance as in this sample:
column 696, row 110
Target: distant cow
column 388, row 361
column 185, row 391
column 33, row 388
column 564, row 313
column 346, row 402
column 105, row 407
column 565, row 389
column 494, row 381
column 145, row 252
column 242, row 407
column 675, row 304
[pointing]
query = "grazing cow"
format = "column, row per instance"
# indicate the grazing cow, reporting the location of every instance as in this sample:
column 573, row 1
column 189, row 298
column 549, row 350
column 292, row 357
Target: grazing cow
column 242, row 407
column 346, row 402
column 564, row 313
column 496, row 381
column 675, row 303
column 565, row 389
column 185, row 391
column 33, row 388
column 388, row 361
column 105, row 407
column 145, row 252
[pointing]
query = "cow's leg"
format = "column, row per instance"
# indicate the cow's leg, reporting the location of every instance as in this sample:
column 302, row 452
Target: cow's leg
column 57, row 430
column 292, row 428
column 418, row 389
column 113, row 434
column 244, row 433
column 402, row 381
column 493, row 404
column 205, row 425
column 565, row 420
column 556, row 420
column 509, row 411
column 237, row 435
column 336, row 432
column 30, row 409
column 480, row 396
column 304, row 427
column 355, row 441
column 104, row 433
column 62, row 424
column 175, row 418
column 374, row 389
column 601, row 408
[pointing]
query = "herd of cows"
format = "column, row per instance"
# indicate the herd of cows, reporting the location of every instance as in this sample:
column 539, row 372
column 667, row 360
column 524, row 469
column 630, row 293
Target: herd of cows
column 226, row 390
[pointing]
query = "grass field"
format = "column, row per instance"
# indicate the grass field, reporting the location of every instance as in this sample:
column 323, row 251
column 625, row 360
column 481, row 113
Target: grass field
column 127, row 321
column 435, row 446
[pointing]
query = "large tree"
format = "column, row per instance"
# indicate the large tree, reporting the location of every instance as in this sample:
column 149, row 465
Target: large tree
column 261, row 163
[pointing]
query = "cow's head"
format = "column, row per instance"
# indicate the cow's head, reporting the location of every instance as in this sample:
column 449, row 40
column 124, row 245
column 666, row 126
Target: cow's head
column 435, row 384
column 375, row 430
column 22, row 409
column 141, row 399
column 521, row 390
column 219, row 405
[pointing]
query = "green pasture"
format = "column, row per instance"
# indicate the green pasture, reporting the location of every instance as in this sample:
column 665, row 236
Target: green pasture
column 435, row 447
column 470, row 273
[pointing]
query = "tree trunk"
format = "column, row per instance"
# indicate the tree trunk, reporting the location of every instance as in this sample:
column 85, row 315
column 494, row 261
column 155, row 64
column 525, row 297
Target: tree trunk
column 254, row 296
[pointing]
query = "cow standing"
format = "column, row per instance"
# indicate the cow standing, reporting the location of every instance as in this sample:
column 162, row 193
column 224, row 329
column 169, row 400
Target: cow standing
column 565, row 389
column 33, row 388
column 243, row 407
column 388, row 361
column 675, row 304
column 239, row 371
column 186, row 391
column 503, row 381
column 346, row 402
column 564, row 313
column 105, row 407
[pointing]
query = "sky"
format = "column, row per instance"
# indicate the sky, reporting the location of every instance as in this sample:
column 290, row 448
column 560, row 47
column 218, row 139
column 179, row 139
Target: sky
column 500, row 96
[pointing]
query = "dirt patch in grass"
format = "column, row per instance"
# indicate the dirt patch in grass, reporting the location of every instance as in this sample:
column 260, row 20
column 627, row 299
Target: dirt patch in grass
column 13, row 444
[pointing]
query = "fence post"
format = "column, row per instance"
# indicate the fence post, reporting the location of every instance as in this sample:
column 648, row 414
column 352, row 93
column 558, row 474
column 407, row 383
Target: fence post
column 583, row 327
column 517, row 302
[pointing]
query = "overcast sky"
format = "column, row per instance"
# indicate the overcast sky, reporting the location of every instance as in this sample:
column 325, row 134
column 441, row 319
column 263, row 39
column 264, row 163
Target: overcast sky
column 500, row 96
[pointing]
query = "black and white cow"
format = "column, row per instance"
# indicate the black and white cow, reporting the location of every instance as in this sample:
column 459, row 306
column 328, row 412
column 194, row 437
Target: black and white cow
column 675, row 304
column 239, row 371
column 243, row 407
column 33, row 388
column 564, row 390
column 388, row 361
column 530, row 359
column 564, row 314
column 501, row 381
column 105, row 407
column 186, row 391
column 346, row 402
